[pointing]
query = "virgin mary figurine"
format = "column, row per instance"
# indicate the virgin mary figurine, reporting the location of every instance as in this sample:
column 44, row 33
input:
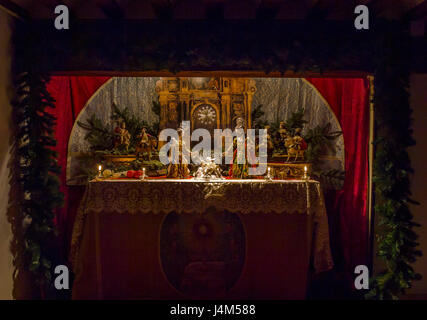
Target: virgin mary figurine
column 239, row 170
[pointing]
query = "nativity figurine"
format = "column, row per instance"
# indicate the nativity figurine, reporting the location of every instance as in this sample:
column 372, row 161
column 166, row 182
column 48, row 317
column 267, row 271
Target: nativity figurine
column 179, row 169
column 121, row 137
column 208, row 170
column 296, row 145
column 146, row 143
column 239, row 170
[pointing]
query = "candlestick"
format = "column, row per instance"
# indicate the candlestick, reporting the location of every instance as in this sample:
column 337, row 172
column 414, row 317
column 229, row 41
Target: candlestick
column 305, row 172
column 99, row 171
column 143, row 174
column 268, row 176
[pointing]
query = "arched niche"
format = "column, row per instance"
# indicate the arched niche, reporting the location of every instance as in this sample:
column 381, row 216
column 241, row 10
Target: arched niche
column 278, row 96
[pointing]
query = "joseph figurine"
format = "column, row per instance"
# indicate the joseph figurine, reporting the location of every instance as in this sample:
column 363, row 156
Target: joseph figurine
column 180, row 169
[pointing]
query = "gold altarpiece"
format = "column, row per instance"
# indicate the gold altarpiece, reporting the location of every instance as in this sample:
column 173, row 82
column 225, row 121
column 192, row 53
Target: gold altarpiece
column 209, row 103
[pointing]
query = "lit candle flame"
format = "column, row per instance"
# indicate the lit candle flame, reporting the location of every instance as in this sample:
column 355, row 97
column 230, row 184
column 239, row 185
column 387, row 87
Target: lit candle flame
column 305, row 169
column 99, row 168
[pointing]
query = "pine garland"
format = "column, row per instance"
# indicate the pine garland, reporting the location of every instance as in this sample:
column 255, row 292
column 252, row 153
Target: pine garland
column 397, row 245
column 38, row 176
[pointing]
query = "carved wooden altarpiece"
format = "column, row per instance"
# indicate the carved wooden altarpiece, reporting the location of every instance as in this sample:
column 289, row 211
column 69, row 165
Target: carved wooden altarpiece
column 209, row 103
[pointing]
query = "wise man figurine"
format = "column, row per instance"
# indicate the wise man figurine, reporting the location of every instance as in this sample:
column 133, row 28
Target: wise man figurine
column 299, row 141
column 145, row 143
column 296, row 145
column 121, row 137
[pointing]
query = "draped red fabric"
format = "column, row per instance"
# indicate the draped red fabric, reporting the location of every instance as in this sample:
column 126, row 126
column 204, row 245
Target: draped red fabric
column 71, row 94
column 347, row 209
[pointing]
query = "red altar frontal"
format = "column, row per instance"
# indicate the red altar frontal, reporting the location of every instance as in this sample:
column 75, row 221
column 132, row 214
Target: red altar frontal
column 180, row 239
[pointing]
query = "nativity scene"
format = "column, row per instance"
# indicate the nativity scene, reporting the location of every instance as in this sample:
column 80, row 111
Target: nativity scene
column 171, row 150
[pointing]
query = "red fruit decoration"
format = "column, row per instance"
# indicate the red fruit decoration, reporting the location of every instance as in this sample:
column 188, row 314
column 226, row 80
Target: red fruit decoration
column 137, row 174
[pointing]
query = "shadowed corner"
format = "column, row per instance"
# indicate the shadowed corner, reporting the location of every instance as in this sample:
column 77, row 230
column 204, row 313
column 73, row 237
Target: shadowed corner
column 14, row 284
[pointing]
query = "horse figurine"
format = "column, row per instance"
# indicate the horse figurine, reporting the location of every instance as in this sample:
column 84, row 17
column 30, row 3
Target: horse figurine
column 146, row 144
column 293, row 149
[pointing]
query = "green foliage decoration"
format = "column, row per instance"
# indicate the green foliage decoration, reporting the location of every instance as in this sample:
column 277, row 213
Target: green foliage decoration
column 395, row 235
column 100, row 136
column 295, row 121
column 317, row 139
column 38, row 176
column 256, row 116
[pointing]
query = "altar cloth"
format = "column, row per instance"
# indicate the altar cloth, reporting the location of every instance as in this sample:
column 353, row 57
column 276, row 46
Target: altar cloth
column 120, row 221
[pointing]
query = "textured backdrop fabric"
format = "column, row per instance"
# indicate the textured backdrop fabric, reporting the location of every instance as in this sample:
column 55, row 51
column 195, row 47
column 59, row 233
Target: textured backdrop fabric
column 347, row 209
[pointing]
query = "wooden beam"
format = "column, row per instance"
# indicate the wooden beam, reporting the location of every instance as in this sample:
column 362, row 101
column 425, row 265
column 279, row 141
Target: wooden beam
column 14, row 10
column 223, row 73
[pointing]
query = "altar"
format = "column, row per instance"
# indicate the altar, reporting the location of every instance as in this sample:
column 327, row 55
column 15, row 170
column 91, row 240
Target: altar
column 185, row 238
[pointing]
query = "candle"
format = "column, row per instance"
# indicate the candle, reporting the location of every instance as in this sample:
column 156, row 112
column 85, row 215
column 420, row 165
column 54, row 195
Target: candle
column 305, row 172
column 143, row 174
column 99, row 171
column 268, row 176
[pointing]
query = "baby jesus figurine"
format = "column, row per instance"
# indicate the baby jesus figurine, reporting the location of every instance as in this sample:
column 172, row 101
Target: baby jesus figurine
column 208, row 170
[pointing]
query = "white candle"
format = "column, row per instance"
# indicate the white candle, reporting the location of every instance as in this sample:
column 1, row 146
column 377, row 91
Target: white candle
column 305, row 169
column 268, row 176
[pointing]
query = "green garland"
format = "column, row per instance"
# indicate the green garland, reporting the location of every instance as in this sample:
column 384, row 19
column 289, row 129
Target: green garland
column 397, row 245
column 38, row 176
column 221, row 46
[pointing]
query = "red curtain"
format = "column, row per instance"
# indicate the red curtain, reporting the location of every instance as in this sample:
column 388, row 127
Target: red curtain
column 347, row 209
column 71, row 94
